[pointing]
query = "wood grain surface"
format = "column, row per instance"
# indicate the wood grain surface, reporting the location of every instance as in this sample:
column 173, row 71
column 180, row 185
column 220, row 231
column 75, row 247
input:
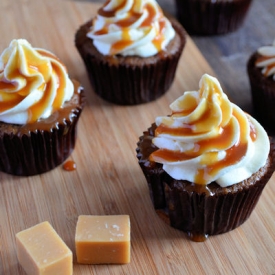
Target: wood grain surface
column 108, row 179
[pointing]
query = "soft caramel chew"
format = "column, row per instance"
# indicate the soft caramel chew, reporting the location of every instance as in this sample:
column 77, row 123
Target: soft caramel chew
column 41, row 251
column 103, row 239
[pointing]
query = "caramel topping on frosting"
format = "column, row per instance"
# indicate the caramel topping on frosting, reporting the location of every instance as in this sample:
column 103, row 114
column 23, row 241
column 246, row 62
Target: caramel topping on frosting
column 33, row 83
column 266, row 61
column 131, row 27
column 207, row 138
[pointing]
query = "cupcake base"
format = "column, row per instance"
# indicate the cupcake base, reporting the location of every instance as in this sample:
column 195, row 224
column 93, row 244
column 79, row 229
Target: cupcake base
column 36, row 148
column 130, row 80
column 200, row 210
column 263, row 95
column 205, row 17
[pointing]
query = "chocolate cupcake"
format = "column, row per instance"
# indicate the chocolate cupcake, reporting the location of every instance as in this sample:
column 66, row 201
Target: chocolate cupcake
column 206, row 17
column 40, row 108
column 261, row 72
column 207, row 163
column 130, row 51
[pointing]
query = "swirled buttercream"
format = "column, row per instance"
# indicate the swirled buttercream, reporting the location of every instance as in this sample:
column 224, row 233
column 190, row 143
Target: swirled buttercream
column 33, row 83
column 131, row 27
column 266, row 61
column 207, row 138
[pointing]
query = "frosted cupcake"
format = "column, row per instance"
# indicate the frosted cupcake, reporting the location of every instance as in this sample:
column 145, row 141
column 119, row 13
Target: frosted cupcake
column 131, row 51
column 261, row 72
column 39, row 110
column 207, row 163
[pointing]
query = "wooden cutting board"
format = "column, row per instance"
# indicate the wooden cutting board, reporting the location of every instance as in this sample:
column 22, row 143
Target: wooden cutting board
column 108, row 179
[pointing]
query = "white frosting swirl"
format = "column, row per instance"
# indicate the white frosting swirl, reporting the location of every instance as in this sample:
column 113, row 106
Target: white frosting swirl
column 207, row 138
column 33, row 83
column 267, row 60
column 131, row 27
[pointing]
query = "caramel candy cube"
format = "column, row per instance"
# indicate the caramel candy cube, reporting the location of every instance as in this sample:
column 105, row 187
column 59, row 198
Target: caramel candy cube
column 103, row 239
column 41, row 251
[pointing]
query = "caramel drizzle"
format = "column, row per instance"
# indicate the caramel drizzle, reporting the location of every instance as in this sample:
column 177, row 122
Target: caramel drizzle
column 69, row 165
column 10, row 100
column 268, row 68
column 126, row 23
column 212, row 165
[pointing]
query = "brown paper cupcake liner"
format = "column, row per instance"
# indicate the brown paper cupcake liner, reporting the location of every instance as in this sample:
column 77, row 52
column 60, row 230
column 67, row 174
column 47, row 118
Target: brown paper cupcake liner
column 153, row 172
column 130, row 80
column 205, row 17
column 263, row 95
column 39, row 147
column 201, row 210
column 201, row 215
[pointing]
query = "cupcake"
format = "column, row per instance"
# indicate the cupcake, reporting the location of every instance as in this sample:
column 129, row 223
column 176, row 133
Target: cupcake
column 40, row 107
column 130, row 51
column 261, row 72
column 207, row 163
column 206, row 17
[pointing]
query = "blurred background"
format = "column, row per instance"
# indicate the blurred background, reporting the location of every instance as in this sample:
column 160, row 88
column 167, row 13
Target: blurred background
column 228, row 54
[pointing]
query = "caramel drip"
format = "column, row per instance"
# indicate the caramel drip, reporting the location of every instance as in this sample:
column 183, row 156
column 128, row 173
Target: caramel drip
column 122, row 44
column 169, row 156
column 103, row 31
column 159, row 38
column 36, row 110
column 41, row 66
column 183, row 131
column 128, row 21
column 233, row 155
column 59, row 117
column 49, row 55
column 268, row 68
column 9, row 101
column 6, row 85
column 187, row 129
column 210, row 158
column 112, row 13
column 60, row 93
column 219, row 142
column 125, row 24
column 263, row 58
column 197, row 237
column 69, row 165
column 151, row 15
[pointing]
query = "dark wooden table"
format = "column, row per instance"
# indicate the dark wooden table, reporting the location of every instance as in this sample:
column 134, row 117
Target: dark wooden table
column 228, row 54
